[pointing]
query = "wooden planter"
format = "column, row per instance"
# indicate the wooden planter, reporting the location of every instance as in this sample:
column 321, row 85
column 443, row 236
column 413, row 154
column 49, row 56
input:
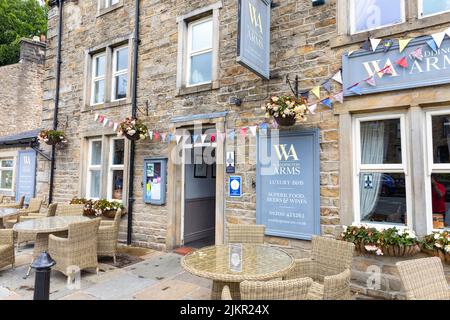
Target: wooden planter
column 53, row 142
column 392, row 251
column 445, row 257
column 112, row 213
column 134, row 137
column 285, row 122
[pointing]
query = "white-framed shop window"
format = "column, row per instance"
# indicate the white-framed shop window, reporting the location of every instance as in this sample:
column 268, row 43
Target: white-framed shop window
column 382, row 185
column 6, row 174
column 200, row 52
column 116, row 169
column 120, row 73
column 367, row 15
column 438, row 174
column 98, row 78
column 94, row 170
column 428, row 8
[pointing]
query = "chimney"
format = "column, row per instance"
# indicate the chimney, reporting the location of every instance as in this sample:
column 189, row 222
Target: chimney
column 32, row 50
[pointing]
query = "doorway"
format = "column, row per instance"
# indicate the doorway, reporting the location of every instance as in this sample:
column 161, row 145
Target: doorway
column 199, row 196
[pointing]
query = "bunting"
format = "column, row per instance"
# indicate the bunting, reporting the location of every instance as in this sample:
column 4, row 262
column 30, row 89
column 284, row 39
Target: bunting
column 438, row 38
column 375, row 43
column 403, row 43
column 402, row 62
column 338, row 77
column 316, row 91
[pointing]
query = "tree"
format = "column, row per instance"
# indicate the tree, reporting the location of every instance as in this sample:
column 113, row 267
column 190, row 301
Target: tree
column 19, row 18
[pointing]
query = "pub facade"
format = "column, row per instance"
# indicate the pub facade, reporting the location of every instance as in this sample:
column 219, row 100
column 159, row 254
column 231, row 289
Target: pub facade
column 202, row 73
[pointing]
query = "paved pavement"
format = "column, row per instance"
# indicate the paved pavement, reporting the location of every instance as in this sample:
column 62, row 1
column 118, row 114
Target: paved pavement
column 158, row 276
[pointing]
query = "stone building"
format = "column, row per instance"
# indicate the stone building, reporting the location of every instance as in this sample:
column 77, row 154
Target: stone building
column 190, row 84
column 21, row 109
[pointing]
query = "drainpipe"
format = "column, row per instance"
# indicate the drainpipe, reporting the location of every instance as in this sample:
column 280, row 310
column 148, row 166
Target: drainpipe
column 134, row 115
column 55, row 111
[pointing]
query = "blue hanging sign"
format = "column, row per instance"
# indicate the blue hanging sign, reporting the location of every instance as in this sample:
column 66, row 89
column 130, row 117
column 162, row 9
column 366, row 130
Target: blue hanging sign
column 26, row 177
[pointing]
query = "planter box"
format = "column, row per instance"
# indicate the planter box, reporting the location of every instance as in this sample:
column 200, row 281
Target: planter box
column 445, row 257
column 392, row 251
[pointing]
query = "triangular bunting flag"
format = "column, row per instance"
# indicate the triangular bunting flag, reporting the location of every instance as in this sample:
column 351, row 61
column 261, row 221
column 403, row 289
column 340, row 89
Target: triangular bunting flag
column 305, row 95
column 327, row 102
column 163, row 136
column 386, row 70
column 438, row 38
column 356, row 90
column 403, row 43
column 366, row 45
column 101, row 118
column 417, row 54
column 375, row 43
column 402, row 62
column 194, row 138
column 243, row 132
column 150, row 134
column 387, row 45
column 178, row 138
column 327, row 85
column 105, row 122
column 371, row 81
column 263, row 125
column 231, row 135
column 312, row 108
column 110, row 124
column 186, row 138
column 253, row 130
column 116, row 125
column 204, row 136
column 339, row 97
column 156, row 135
column 274, row 124
column 316, row 91
column 432, row 45
column 338, row 77
column 96, row 117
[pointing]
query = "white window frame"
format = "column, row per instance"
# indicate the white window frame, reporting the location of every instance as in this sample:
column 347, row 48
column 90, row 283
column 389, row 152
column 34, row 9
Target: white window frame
column 91, row 167
column 8, row 169
column 431, row 166
column 104, row 4
column 353, row 25
column 112, row 168
column 422, row 16
column 98, row 78
column 190, row 53
column 115, row 73
column 382, row 168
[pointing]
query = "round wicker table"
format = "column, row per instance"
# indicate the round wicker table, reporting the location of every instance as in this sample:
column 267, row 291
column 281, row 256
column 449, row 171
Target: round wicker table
column 5, row 213
column 256, row 263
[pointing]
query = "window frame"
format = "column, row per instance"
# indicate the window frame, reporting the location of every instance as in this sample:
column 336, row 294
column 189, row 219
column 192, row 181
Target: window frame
column 2, row 169
column 106, row 4
column 112, row 167
column 190, row 53
column 95, row 78
column 432, row 167
column 91, row 167
column 359, row 168
column 352, row 24
column 114, row 73
column 422, row 16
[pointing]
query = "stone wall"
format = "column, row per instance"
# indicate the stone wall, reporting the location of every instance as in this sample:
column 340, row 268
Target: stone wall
column 22, row 89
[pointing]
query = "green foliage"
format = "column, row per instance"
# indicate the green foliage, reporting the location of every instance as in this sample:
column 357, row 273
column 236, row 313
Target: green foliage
column 18, row 19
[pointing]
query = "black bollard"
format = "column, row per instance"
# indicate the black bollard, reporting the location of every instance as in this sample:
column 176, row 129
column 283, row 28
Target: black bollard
column 43, row 266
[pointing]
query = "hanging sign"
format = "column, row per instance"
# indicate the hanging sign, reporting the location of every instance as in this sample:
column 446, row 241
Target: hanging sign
column 253, row 49
column 26, row 177
column 288, row 184
column 235, row 187
column 408, row 69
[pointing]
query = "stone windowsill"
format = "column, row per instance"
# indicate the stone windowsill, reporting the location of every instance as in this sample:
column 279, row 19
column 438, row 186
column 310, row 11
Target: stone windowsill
column 197, row 89
column 104, row 11
column 392, row 31
column 107, row 105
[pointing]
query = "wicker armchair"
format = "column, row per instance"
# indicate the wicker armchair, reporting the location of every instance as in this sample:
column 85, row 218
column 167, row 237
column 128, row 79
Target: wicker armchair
column 296, row 289
column 27, row 236
column 33, row 207
column 108, row 234
column 243, row 233
column 65, row 209
column 14, row 205
column 330, row 268
column 424, row 279
column 6, row 248
column 78, row 249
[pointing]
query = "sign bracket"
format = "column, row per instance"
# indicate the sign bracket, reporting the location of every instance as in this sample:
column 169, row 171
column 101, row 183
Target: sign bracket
column 42, row 153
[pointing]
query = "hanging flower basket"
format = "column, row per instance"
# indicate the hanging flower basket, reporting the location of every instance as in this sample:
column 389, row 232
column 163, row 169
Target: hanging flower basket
column 133, row 129
column 437, row 244
column 286, row 110
column 52, row 137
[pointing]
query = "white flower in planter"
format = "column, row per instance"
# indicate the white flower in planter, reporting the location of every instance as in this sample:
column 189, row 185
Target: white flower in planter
column 447, row 249
column 131, row 132
column 379, row 252
column 371, row 248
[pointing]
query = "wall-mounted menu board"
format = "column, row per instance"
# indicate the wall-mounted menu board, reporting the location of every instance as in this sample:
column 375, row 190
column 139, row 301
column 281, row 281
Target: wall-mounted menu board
column 155, row 174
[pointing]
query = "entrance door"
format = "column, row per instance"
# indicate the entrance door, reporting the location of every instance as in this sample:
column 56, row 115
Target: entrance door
column 199, row 214
column 26, row 175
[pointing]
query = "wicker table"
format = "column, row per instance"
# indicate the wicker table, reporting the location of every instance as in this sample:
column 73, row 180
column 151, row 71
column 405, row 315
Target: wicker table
column 257, row 263
column 5, row 213
column 43, row 227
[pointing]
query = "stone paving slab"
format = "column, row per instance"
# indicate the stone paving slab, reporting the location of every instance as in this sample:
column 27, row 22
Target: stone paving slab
column 167, row 290
column 158, row 268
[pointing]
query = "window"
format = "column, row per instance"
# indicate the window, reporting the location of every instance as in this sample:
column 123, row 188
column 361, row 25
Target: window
column 120, row 74
column 200, row 52
column 94, row 169
column 103, row 4
column 116, row 169
column 382, row 184
column 98, row 78
column 438, row 179
column 374, row 14
column 433, row 7
column 6, row 174
column 112, row 75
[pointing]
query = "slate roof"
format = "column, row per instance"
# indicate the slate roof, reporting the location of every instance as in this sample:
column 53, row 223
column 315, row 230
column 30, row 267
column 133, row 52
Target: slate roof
column 18, row 139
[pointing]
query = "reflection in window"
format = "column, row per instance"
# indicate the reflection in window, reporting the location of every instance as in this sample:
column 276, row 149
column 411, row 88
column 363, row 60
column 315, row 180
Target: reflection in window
column 373, row 14
column 200, row 52
column 441, row 138
column 6, row 174
column 432, row 7
column 440, row 199
column 383, row 197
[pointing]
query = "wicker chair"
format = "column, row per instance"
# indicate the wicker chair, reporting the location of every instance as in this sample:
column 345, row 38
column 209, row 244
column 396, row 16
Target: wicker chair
column 424, row 279
column 6, row 248
column 226, row 293
column 243, row 233
column 65, row 209
column 296, row 289
column 330, row 268
column 108, row 234
column 28, row 237
column 14, row 205
column 33, row 207
column 78, row 249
